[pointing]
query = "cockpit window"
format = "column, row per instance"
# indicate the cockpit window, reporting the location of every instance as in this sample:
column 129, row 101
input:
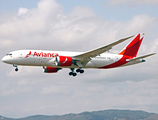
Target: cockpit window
column 9, row 54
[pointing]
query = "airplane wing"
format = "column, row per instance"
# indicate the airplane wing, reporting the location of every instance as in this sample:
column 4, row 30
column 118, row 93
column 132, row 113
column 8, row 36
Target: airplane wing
column 84, row 58
column 142, row 57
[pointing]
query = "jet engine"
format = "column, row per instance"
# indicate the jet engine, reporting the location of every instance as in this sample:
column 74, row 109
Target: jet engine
column 48, row 69
column 63, row 61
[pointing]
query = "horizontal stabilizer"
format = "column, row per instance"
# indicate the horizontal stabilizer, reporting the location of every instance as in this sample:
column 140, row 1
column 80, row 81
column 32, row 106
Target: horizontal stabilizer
column 142, row 57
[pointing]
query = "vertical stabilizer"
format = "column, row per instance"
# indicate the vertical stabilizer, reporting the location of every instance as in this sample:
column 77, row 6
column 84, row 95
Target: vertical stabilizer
column 132, row 48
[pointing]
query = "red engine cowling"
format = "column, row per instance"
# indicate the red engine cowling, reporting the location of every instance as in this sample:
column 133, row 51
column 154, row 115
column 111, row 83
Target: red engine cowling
column 48, row 69
column 63, row 61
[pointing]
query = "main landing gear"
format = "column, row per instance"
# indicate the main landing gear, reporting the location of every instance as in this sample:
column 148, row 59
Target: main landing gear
column 16, row 69
column 73, row 73
column 80, row 70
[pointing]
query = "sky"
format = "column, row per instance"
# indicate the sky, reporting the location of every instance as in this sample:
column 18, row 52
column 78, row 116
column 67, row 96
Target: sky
column 77, row 25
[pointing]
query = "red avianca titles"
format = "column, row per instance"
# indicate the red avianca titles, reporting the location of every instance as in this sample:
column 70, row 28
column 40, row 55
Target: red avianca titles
column 53, row 61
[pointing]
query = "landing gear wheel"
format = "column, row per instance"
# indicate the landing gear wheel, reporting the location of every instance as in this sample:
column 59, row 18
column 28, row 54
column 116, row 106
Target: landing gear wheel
column 70, row 73
column 74, row 74
column 16, row 69
column 79, row 70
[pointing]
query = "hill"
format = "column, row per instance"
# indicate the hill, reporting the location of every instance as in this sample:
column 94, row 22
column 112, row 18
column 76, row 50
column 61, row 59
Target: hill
column 153, row 117
column 96, row 115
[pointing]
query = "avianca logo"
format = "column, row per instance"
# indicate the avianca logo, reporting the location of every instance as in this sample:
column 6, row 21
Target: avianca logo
column 28, row 54
column 65, row 61
column 36, row 54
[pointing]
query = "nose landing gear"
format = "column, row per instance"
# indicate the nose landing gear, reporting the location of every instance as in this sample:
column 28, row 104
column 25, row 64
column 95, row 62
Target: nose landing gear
column 16, row 69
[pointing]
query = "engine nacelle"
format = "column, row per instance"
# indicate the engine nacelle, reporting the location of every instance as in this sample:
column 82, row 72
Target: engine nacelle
column 63, row 61
column 48, row 69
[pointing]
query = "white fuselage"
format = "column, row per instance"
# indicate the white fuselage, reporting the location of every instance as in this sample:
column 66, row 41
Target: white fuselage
column 47, row 58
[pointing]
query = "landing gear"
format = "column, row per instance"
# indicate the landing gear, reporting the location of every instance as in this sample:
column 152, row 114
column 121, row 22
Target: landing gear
column 80, row 70
column 16, row 69
column 73, row 73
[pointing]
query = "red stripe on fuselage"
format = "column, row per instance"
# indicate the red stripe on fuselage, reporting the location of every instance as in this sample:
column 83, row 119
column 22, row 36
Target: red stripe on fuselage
column 122, row 61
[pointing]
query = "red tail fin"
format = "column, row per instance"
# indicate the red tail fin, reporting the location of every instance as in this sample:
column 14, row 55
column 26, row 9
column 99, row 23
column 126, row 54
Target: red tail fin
column 132, row 48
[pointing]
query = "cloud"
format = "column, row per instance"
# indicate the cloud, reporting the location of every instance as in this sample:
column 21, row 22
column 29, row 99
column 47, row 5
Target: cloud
column 47, row 24
column 137, row 2
column 6, row 43
column 22, row 11
column 48, row 27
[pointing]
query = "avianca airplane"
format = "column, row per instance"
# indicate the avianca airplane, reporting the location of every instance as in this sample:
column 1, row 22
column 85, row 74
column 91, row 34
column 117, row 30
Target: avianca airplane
column 53, row 61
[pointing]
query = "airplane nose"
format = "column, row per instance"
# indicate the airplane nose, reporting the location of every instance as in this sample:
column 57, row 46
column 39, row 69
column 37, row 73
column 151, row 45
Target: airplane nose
column 3, row 59
column 8, row 60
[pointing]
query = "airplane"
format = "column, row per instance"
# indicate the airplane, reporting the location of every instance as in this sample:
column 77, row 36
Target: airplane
column 53, row 61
